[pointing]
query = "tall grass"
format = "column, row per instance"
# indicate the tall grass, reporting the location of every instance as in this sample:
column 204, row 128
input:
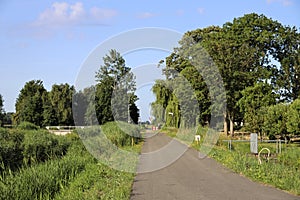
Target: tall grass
column 282, row 171
column 44, row 180
column 47, row 166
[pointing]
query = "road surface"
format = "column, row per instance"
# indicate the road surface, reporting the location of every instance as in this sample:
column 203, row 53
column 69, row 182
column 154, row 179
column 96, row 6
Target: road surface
column 192, row 178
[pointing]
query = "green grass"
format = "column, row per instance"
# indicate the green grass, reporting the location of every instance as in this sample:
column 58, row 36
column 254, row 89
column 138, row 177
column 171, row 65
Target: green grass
column 281, row 171
column 74, row 175
column 283, row 174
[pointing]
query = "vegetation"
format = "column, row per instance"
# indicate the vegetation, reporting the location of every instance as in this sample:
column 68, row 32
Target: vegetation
column 38, row 165
column 258, row 60
column 281, row 171
column 1, row 111
column 115, row 98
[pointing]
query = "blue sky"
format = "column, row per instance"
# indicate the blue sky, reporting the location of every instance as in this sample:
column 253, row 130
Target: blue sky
column 49, row 40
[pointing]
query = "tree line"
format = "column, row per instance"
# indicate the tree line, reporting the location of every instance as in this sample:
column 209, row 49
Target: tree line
column 259, row 62
column 65, row 106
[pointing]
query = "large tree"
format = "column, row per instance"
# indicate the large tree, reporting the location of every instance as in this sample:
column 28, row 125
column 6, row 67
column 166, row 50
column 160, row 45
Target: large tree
column 244, row 52
column 58, row 105
column 114, row 97
column 29, row 104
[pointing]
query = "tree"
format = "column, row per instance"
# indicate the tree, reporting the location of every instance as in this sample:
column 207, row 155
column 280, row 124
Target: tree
column 254, row 102
column 2, row 114
column 29, row 104
column 58, row 105
column 79, row 106
column 275, row 121
column 115, row 90
column 49, row 112
column 90, row 117
column 287, row 53
column 293, row 118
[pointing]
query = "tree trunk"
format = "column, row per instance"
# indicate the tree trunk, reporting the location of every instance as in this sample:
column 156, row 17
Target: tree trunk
column 225, row 123
column 231, row 127
column 231, row 119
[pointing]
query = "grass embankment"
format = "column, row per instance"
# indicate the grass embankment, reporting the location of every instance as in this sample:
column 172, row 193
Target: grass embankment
column 282, row 171
column 39, row 165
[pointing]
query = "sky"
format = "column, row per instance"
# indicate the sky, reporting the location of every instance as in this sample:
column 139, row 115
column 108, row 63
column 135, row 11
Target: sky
column 52, row 40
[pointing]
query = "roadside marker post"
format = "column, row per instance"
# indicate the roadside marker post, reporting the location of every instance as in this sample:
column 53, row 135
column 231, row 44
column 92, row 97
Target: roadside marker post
column 197, row 138
column 253, row 143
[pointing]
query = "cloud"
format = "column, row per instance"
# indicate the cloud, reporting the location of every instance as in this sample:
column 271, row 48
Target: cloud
column 200, row 10
column 146, row 15
column 65, row 14
column 283, row 2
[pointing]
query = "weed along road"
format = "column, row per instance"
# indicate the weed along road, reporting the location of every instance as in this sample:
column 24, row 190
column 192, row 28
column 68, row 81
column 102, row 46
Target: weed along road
column 192, row 178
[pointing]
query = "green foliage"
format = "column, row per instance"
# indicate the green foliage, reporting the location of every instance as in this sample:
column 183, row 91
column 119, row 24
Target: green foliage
column 98, row 181
column 43, row 181
column 79, row 106
column 76, row 175
column 60, row 110
column 115, row 90
column 11, row 148
column 293, row 118
column 1, row 110
column 254, row 103
column 29, row 104
column 27, row 126
column 275, row 120
column 243, row 51
column 19, row 147
column 40, row 146
column 282, row 173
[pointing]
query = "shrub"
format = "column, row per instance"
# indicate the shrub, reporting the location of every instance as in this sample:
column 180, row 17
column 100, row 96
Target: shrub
column 27, row 126
column 11, row 147
column 40, row 146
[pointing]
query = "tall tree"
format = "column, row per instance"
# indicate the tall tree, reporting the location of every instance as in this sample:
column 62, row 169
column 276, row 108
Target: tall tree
column 243, row 51
column 79, row 106
column 2, row 114
column 115, row 89
column 29, row 104
column 287, row 53
column 59, row 107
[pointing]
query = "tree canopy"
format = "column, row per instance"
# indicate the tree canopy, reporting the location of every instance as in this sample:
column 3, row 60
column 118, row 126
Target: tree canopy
column 257, row 58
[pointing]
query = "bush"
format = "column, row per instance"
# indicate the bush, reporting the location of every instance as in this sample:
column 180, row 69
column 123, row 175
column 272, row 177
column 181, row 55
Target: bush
column 40, row 146
column 11, row 147
column 27, row 126
column 45, row 180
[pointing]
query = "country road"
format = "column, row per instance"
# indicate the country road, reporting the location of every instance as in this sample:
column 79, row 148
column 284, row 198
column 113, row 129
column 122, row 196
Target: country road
column 192, row 178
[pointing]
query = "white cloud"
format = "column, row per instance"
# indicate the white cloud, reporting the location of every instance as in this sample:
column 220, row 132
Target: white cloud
column 283, row 2
column 146, row 15
column 62, row 14
column 200, row 10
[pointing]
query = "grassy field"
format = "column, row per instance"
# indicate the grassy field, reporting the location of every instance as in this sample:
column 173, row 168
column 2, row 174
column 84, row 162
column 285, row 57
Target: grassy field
column 39, row 165
column 281, row 171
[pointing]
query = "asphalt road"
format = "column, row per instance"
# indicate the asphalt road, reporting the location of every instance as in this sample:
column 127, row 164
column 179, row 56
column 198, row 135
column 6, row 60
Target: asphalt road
column 192, row 178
